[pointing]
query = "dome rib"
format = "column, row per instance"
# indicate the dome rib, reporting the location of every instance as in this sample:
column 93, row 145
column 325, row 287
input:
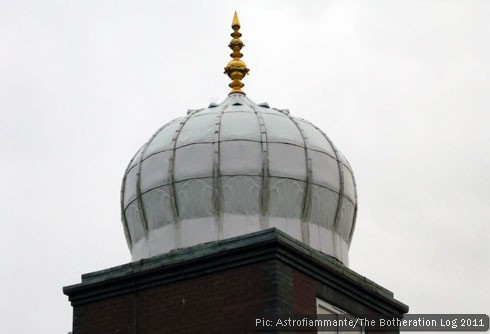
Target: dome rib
column 305, row 229
column 171, row 181
column 128, row 235
column 264, row 189
column 340, row 164
column 217, row 190
column 141, row 207
column 355, row 210
column 139, row 164
column 150, row 141
column 341, row 178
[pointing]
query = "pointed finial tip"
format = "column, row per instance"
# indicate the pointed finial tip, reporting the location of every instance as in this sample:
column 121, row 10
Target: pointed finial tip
column 236, row 69
column 236, row 21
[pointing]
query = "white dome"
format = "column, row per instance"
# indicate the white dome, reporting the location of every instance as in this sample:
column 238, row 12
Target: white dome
column 236, row 168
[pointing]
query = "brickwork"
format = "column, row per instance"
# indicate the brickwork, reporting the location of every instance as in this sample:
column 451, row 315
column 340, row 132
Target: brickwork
column 114, row 315
column 224, row 302
column 304, row 293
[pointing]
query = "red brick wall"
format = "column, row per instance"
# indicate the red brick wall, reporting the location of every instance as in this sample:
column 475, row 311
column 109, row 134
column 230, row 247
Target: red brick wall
column 223, row 302
column 114, row 315
column 304, row 294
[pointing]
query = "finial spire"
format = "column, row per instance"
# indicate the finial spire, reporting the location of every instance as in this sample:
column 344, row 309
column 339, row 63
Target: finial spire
column 236, row 69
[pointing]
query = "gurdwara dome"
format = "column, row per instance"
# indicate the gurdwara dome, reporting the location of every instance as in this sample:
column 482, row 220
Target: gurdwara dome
column 234, row 168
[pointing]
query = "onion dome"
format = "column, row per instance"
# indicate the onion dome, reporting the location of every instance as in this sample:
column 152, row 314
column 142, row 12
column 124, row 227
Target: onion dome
column 234, row 168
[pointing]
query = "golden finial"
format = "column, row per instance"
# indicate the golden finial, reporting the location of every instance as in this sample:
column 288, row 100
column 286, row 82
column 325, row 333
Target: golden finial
column 236, row 68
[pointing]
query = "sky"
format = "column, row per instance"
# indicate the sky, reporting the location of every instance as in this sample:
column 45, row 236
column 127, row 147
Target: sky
column 401, row 88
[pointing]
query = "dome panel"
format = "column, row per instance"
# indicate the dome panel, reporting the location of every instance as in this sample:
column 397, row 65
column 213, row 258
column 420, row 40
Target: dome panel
column 197, row 129
column 239, row 126
column 314, row 235
column 194, row 198
column 135, row 226
column 155, row 168
column 196, row 231
column 349, row 188
column 346, row 218
column 130, row 185
column 316, row 140
column 286, row 197
column 287, row 161
column 238, row 107
column 324, row 203
column 241, row 194
column 325, row 170
column 162, row 240
column 342, row 158
column 236, row 225
column 280, row 129
column 158, row 207
column 240, row 157
column 163, row 138
column 193, row 161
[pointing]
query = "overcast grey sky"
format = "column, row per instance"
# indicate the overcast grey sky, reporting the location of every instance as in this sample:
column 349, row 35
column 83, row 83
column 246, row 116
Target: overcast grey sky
column 401, row 87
